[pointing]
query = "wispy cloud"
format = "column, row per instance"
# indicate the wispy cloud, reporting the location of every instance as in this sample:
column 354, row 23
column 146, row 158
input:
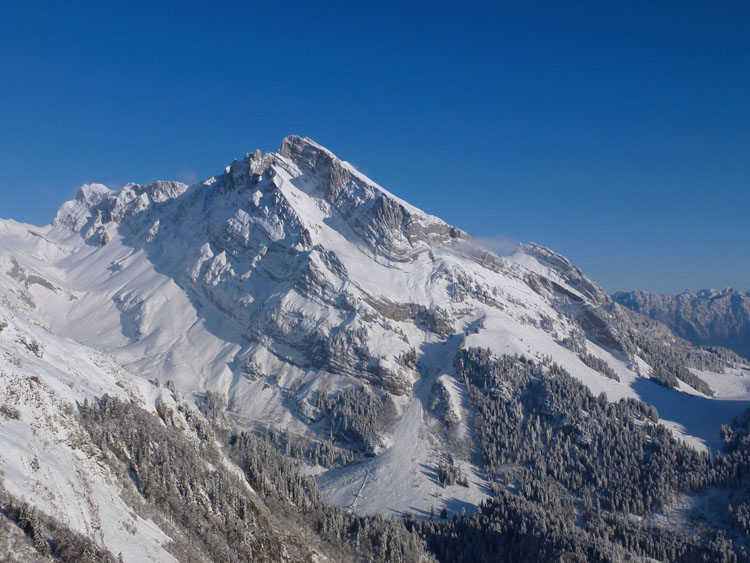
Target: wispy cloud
column 499, row 244
column 189, row 176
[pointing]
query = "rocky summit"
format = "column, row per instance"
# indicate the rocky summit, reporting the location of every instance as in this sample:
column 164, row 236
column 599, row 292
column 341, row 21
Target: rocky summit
column 309, row 344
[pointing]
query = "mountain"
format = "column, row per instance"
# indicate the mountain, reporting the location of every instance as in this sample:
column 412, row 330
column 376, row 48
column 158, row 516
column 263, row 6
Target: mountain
column 705, row 318
column 293, row 305
column 101, row 465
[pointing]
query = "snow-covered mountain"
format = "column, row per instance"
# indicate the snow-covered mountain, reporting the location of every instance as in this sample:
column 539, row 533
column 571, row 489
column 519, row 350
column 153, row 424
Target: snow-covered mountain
column 329, row 312
column 707, row 317
column 46, row 456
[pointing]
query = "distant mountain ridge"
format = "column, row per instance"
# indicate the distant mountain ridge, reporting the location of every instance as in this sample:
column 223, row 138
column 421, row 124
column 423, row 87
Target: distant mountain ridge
column 707, row 317
column 322, row 325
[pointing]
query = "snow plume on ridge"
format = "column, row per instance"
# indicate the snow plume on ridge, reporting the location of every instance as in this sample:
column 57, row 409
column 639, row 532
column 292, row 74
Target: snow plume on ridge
column 500, row 244
column 189, row 176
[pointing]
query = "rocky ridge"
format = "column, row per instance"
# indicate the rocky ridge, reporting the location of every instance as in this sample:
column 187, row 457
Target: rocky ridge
column 328, row 314
column 706, row 318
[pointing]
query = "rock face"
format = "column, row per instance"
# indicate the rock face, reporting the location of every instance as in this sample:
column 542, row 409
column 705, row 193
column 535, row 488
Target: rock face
column 264, row 245
column 706, row 318
column 572, row 275
column 328, row 312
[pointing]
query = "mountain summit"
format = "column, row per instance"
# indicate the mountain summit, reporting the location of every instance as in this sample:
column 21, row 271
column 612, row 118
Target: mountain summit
column 341, row 323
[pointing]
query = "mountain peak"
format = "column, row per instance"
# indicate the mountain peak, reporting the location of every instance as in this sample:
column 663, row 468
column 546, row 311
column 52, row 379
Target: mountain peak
column 76, row 212
column 373, row 336
column 308, row 155
column 325, row 171
column 294, row 144
column 91, row 194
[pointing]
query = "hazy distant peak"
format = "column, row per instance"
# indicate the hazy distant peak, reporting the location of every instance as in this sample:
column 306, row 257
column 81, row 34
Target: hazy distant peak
column 707, row 317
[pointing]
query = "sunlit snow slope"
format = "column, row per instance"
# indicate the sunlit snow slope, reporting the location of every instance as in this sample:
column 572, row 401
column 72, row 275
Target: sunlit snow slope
column 291, row 277
column 46, row 456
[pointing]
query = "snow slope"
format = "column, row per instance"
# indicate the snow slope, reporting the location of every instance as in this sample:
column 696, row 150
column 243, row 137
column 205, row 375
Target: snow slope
column 292, row 273
column 47, row 457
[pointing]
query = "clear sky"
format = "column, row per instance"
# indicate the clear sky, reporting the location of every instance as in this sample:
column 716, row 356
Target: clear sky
column 617, row 133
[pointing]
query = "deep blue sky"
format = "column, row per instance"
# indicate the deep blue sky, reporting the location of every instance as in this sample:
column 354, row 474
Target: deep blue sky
column 617, row 133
